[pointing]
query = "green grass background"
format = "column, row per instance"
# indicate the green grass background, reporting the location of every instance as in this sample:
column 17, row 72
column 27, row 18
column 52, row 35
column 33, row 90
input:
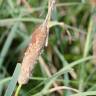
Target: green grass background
column 69, row 44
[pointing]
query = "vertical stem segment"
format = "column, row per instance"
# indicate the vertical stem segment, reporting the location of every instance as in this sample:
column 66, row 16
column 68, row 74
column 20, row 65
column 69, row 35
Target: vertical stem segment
column 18, row 90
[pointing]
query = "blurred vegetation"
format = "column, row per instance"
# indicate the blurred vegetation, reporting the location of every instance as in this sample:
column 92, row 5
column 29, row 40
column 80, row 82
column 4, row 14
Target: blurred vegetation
column 69, row 41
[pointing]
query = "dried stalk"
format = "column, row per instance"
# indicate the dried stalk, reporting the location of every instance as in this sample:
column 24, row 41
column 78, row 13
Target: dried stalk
column 38, row 41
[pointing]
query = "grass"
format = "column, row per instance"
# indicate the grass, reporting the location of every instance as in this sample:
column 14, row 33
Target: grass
column 66, row 68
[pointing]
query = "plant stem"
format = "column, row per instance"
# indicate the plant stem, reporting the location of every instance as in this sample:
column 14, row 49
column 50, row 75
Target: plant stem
column 18, row 90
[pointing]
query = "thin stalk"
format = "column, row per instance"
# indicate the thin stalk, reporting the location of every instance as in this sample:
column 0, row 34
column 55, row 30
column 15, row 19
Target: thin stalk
column 86, row 51
column 5, row 80
column 18, row 90
column 55, row 89
column 87, row 93
column 32, row 19
column 66, row 77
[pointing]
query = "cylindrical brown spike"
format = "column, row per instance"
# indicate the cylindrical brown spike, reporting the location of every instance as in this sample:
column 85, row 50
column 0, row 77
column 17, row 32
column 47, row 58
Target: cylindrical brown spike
column 50, row 9
column 34, row 49
column 32, row 53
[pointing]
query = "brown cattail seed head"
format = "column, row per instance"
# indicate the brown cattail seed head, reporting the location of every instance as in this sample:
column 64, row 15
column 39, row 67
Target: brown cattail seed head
column 38, row 41
column 32, row 53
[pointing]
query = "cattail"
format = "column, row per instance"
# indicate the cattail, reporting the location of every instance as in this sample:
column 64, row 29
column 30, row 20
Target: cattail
column 37, row 43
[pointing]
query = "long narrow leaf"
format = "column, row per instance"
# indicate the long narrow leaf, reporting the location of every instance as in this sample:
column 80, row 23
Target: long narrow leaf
column 12, row 83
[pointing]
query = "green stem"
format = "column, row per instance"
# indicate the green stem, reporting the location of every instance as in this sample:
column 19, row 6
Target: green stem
column 18, row 89
column 86, row 51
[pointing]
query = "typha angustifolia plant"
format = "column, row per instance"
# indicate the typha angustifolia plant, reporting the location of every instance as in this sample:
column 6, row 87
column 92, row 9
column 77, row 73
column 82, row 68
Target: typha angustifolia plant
column 38, row 41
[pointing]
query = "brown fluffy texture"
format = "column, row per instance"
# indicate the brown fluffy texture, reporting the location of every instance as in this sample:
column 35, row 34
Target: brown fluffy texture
column 38, row 41
column 32, row 53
